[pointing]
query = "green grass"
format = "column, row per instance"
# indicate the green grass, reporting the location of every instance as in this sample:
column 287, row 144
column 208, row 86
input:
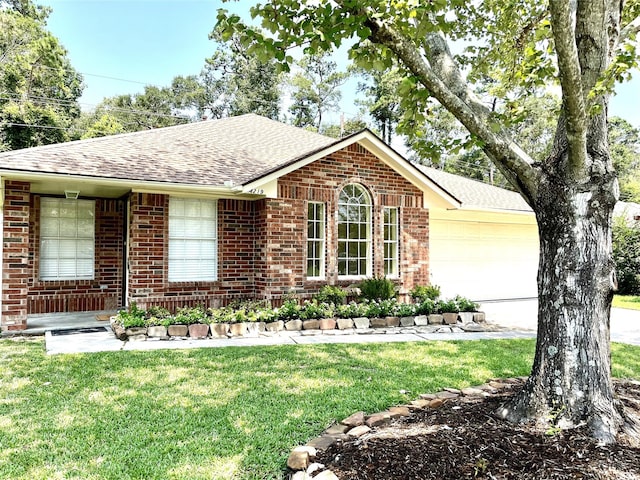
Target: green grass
column 218, row 412
column 626, row 301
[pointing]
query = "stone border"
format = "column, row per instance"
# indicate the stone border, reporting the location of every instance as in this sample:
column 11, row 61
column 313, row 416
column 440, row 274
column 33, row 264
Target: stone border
column 301, row 463
column 425, row 324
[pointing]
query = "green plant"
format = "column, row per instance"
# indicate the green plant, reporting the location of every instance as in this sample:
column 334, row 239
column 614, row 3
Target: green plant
column 132, row 317
column 351, row 310
column 466, row 305
column 191, row 315
column 221, row 315
column 377, row 288
column 372, row 309
column 389, row 307
column 626, row 255
column 289, row 310
column 419, row 293
column 447, row 306
column 405, row 310
column 314, row 310
column 331, row 294
column 426, row 307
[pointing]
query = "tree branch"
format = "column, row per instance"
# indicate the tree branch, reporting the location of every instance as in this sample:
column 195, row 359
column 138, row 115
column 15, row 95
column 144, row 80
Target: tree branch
column 570, row 81
column 444, row 82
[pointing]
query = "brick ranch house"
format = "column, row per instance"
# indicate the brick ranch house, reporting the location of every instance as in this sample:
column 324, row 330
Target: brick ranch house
column 208, row 212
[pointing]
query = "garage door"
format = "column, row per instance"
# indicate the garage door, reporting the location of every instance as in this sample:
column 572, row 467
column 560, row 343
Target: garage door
column 484, row 260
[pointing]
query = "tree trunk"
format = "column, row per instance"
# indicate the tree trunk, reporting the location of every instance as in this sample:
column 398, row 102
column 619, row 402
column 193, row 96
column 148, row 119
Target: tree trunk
column 570, row 383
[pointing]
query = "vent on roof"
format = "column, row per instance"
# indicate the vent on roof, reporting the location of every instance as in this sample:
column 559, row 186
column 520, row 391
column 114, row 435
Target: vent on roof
column 72, row 194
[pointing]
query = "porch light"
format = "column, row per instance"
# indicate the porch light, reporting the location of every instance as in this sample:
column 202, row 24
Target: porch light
column 71, row 194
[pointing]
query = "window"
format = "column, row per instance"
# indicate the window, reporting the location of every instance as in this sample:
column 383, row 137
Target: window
column 67, row 239
column 390, row 226
column 354, row 232
column 193, row 241
column 315, row 240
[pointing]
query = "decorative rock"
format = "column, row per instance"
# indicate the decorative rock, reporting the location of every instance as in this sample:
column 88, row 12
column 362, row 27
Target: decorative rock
column 427, row 396
column 293, row 325
column 157, row 331
column 354, row 420
column 198, row 330
column 322, row 442
column 345, row 323
column 311, row 324
column 443, row 330
column 300, row 456
column 377, row 419
column 118, row 331
column 450, row 318
column 314, row 467
column 378, row 322
column 219, row 330
column 301, row 475
column 457, row 330
column 473, row 392
column 396, row 412
column 421, row 320
column 253, row 329
column 133, row 331
column 436, row 319
column 262, row 326
column 497, row 385
column 436, row 403
column 422, row 403
column 178, row 330
column 479, row 317
column 326, row 475
column 138, row 338
column 274, row 326
column 466, row 317
column 472, row 327
column 358, row 431
column 392, row 321
column 237, row 329
column 361, row 322
column 407, row 321
column 452, row 390
column 328, row 324
column 336, row 429
column 444, row 395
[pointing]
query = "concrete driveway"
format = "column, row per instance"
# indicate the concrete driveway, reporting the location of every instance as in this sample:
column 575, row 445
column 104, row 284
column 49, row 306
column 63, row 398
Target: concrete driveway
column 522, row 315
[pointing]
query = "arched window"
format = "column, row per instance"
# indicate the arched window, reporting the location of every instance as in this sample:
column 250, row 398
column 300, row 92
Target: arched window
column 354, row 232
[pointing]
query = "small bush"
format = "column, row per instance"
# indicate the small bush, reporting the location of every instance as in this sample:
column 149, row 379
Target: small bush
column 315, row 311
column 447, row 306
column 191, row 315
column 466, row 305
column 332, row 294
column 133, row 317
column 420, row 293
column 426, row 307
column 405, row 310
column 377, row 288
column 626, row 255
column 351, row 310
column 288, row 311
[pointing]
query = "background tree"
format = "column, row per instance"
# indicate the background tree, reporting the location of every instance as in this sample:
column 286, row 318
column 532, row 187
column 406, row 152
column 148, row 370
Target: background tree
column 316, row 89
column 584, row 46
column 624, row 140
column 382, row 100
column 39, row 87
column 346, row 128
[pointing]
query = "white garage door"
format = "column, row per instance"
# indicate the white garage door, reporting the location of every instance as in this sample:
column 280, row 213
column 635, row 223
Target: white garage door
column 484, row 260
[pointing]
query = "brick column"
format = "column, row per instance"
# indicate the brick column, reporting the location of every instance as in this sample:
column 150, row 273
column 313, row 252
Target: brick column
column 15, row 256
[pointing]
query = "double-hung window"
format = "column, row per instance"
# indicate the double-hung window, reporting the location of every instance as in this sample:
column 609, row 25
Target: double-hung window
column 390, row 226
column 354, row 232
column 67, row 239
column 315, row 240
column 193, row 240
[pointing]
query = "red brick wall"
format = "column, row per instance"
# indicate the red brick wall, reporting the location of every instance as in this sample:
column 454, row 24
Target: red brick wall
column 148, row 255
column 15, row 255
column 104, row 292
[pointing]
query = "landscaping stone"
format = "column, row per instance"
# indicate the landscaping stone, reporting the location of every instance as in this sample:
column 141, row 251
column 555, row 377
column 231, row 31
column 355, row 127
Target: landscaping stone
column 377, row 419
column 328, row 324
column 237, row 329
column 444, row 395
column 450, row 318
column 345, row 323
column 326, row 475
column 293, row 325
column 378, row 322
column 138, row 338
column 359, row 431
column 397, row 412
column 219, row 330
column 253, row 330
column 472, row 327
column 119, row 331
column 443, row 330
column 157, row 331
column 314, row 467
column 133, row 331
column 479, row 317
column 456, row 330
column 452, row 390
column 322, row 442
column 473, row 392
column 178, row 330
column 436, row 403
column 274, row 326
column 392, row 321
column 198, row 330
column 422, row 403
column 354, row 420
column 337, row 429
column 300, row 456
column 311, row 325
column 427, row 396
column 421, row 320
column 361, row 322
column 407, row 321
column 301, row 475
column 436, row 319
column 466, row 317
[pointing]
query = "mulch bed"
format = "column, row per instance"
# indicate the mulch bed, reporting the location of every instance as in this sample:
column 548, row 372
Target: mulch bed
column 462, row 439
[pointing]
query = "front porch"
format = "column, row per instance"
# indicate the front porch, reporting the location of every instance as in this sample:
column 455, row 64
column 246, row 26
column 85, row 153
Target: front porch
column 41, row 323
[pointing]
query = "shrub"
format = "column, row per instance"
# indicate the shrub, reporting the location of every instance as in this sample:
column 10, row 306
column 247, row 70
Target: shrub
column 289, row 310
column 420, row 293
column 351, row 310
column 466, row 305
column 426, row 307
column 626, row 255
column 331, row 294
column 190, row 315
column 314, row 310
column 405, row 310
column 221, row 315
column 447, row 306
column 377, row 288
column 133, row 317
column 389, row 307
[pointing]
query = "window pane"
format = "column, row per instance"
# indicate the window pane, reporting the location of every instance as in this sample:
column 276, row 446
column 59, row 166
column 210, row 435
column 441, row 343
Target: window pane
column 315, row 239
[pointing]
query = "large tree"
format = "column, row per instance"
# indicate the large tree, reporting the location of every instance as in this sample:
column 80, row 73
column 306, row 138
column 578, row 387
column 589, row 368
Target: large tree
column 521, row 45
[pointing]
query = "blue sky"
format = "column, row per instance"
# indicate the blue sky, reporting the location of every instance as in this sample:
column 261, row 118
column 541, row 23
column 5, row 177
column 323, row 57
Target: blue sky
column 151, row 41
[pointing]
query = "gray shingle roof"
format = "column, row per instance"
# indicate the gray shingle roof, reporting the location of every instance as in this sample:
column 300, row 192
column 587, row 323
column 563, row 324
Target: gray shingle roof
column 237, row 149
column 472, row 193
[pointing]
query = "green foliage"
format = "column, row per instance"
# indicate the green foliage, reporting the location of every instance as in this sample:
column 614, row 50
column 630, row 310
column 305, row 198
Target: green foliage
column 466, row 305
column 420, row 293
column 626, row 301
column 289, row 310
column 377, row 288
column 405, row 310
column 132, row 317
column 626, row 255
column 191, row 315
column 314, row 310
column 331, row 294
column 447, row 306
column 426, row 307
column 351, row 310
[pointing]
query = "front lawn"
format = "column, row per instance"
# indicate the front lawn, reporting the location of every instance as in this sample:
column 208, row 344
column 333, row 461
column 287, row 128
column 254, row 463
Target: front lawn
column 626, row 301
column 219, row 412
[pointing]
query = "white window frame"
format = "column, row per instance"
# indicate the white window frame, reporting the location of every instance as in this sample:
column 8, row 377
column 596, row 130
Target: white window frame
column 355, row 213
column 391, row 242
column 193, row 240
column 316, row 238
column 67, row 239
